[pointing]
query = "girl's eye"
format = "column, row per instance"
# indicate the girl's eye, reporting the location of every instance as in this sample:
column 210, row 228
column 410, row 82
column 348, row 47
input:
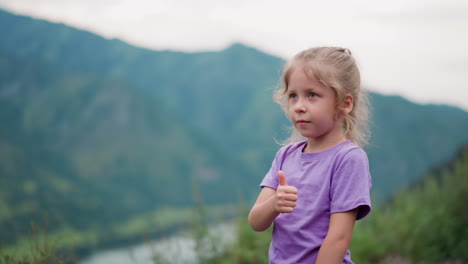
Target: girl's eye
column 312, row 94
column 292, row 96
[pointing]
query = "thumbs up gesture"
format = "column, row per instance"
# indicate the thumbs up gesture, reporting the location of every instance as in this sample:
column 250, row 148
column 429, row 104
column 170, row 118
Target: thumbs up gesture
column 286, row 196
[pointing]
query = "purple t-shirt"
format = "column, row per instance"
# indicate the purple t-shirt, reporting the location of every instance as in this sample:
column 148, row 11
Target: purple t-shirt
column 331, row 181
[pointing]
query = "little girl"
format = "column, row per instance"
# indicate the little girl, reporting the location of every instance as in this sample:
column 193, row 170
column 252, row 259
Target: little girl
column 319, row 183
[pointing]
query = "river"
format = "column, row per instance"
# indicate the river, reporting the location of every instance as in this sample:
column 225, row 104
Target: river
column 178, row 249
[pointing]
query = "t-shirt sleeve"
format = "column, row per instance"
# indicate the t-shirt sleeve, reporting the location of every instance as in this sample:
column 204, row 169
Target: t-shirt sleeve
column 351, row 184
column 271, row 178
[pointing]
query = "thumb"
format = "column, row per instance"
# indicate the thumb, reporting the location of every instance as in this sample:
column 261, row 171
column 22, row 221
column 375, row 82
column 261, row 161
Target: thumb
column 282, row 178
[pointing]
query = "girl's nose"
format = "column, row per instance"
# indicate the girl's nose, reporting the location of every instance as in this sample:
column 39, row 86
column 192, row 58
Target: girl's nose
column 299, row 107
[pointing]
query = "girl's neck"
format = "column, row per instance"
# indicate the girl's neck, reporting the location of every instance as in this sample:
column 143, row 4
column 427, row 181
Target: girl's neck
column 324, row 142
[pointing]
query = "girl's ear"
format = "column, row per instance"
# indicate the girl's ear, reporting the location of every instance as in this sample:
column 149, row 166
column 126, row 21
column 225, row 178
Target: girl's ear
column 348, row 104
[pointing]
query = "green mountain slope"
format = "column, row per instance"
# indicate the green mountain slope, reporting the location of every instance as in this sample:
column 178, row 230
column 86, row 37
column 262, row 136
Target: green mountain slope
column 408, row 139
column 87, row 151
column 426, row 222
column 195, row 86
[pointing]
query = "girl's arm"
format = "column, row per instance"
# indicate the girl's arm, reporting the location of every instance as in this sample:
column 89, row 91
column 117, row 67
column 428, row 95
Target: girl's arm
column 263, row 212
column 338, row 238
column 270, row 203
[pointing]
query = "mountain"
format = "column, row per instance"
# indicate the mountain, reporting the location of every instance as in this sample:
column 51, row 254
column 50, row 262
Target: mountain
column 79, row 148
column 408, row 139
column 96, row 131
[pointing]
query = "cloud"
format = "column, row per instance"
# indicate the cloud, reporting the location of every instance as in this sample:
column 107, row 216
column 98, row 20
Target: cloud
column 412, row 48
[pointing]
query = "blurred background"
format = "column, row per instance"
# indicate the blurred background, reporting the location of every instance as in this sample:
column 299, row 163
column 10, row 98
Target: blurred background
column 138, row 131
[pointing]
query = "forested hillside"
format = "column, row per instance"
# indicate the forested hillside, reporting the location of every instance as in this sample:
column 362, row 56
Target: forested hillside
column 85, row 150
column 424, row 223
column 96, row 131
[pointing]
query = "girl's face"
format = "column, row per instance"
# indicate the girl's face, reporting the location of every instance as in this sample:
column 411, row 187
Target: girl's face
column 312, row 107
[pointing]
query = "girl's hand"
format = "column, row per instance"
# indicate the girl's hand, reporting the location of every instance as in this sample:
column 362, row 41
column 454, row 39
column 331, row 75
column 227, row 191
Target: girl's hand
column 285, row 196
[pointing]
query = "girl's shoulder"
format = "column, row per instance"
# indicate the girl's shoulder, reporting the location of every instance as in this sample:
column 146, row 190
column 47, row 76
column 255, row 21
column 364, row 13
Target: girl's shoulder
column 351, row 153
column 347, row 147
column 351, row 149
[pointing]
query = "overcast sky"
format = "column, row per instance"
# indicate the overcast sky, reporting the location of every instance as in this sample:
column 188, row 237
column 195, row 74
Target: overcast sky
column 418, row 49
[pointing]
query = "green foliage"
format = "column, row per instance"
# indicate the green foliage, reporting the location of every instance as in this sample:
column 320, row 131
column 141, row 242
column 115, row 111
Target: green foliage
column 248, row 246
column 41, row 250
column 427, row 222
column 136, row 229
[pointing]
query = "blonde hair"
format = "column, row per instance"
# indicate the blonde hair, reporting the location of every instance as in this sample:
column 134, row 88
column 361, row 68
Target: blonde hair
column 335, row 68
